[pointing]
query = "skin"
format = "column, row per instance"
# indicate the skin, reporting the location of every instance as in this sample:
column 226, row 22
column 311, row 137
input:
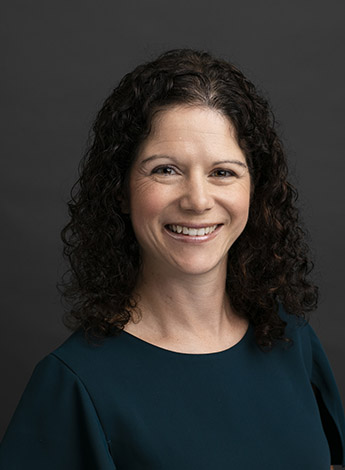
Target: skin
column 190, row 171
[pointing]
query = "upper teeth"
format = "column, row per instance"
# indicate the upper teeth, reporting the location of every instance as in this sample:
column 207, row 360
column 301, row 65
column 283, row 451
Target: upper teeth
column 192, row 231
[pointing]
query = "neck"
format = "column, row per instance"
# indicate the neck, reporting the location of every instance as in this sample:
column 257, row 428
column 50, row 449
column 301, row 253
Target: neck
column 175, row 305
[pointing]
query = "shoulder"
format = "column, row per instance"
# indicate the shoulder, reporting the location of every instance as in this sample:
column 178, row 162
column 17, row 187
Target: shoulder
column 307, row 345
column 90, row 358
column 297, row 328
column 301, row 334
column 308, row 348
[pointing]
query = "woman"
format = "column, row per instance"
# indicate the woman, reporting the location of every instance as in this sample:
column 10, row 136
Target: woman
column 189, row 285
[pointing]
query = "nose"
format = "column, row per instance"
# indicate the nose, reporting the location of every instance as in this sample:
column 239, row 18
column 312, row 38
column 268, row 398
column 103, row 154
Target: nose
column 196, row 196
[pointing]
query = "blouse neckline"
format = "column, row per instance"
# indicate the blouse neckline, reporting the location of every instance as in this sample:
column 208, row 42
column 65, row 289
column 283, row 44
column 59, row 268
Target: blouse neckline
column 170, row 352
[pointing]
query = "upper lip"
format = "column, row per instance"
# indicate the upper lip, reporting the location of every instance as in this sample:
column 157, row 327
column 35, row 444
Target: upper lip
column 189, row 225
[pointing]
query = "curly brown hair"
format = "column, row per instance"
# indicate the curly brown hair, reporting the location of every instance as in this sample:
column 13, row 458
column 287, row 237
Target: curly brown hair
column 268, row 264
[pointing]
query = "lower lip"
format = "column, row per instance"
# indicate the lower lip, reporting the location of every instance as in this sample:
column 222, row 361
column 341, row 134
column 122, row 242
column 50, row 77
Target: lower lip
column 193, row 239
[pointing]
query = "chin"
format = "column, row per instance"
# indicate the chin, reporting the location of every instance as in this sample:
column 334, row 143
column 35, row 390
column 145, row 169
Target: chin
column 197, row 267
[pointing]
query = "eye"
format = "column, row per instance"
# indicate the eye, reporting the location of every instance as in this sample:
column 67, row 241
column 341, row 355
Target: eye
column 164, row 170
column 222, row 173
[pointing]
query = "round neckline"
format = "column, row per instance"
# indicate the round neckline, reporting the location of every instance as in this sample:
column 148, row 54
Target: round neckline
column 151, row 346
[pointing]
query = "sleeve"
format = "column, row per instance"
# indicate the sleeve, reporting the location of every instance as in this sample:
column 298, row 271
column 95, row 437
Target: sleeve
column 55, row 425
column 329, row 401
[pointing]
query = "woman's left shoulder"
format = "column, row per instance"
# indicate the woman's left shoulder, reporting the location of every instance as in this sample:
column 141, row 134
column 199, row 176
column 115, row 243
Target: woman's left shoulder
column 307, row 347
column 304, row 341
column 297, row 328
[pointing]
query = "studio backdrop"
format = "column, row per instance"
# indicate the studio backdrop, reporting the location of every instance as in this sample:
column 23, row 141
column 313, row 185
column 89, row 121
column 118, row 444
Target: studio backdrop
column 60, row 59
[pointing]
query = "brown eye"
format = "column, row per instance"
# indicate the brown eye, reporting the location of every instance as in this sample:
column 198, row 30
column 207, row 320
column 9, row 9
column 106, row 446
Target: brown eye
column 221, row 173
column 164, row 170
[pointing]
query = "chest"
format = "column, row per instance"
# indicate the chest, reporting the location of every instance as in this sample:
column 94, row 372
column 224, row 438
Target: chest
column 214, row 414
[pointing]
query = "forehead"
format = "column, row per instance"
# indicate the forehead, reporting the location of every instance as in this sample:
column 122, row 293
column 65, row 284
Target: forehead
column 188, row 119
column 195, row 129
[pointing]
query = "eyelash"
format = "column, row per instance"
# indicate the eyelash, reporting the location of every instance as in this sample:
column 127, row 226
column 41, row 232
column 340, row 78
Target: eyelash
column 161, row 170
column 156, row 171
column 223, row 170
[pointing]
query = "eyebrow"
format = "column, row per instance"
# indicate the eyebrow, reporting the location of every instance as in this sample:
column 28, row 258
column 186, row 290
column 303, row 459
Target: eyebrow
column 220, row 162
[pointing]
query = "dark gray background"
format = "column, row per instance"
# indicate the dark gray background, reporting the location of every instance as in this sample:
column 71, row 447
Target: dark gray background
column 62, row 58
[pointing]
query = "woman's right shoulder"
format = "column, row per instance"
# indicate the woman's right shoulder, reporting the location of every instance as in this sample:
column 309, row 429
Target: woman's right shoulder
column 86, row 357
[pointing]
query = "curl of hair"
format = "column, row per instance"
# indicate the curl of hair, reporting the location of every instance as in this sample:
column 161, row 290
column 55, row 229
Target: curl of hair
column 267, row 265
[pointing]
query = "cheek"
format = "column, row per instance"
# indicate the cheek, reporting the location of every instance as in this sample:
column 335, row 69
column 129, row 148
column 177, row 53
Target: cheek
column 239, row 203
column 146, row 203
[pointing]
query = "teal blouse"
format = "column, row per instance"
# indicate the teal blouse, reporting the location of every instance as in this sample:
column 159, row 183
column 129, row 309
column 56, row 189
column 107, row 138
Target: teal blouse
column 126, row 404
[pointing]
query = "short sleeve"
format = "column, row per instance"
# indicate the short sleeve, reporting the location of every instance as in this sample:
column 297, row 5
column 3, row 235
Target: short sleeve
column 55, row 425
column 329, row 401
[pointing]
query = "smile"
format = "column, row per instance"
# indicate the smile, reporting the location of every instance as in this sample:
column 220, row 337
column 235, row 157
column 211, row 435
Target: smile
column 191, row 231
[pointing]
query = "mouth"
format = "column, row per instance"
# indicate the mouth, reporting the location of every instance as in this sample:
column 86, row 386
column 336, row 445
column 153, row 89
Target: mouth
column 199, row 231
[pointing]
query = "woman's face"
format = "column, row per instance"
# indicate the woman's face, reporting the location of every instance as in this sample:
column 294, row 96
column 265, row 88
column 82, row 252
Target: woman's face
column 189, row 191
